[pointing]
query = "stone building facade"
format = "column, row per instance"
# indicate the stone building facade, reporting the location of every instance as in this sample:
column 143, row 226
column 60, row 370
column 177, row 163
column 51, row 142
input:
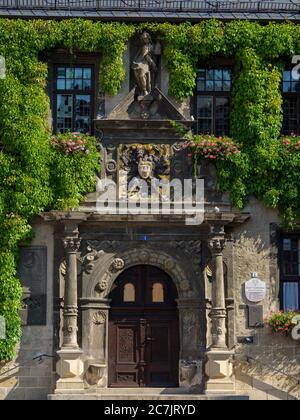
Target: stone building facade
column 90, row 333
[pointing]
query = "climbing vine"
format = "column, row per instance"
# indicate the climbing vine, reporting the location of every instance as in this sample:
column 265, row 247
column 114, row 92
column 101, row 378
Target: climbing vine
column 36, row 173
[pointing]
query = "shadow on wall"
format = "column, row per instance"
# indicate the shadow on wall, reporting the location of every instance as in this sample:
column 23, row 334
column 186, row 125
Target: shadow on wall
column 30, row 376
column 274, row 372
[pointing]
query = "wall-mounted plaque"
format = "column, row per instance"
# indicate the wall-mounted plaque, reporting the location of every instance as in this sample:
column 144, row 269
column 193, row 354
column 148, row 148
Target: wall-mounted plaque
column 255, row 290
column 32, row 272
column 255, row 316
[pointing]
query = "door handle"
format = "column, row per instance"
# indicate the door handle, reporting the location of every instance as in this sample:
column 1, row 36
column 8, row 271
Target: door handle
column 149, row 339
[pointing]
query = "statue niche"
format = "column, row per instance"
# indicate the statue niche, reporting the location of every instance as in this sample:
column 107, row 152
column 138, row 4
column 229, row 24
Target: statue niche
column 144, row 66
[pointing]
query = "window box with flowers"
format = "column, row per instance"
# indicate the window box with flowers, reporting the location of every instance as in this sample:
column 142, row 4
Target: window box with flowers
column 76, row 160
column 281, row 322
column 211, row 148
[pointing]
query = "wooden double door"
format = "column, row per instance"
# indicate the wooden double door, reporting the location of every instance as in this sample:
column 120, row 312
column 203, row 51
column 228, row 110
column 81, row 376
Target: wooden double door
column 143, row 342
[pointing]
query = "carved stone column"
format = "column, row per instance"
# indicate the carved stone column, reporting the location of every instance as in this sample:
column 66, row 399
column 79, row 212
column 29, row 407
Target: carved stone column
column 218, row 310
column 70, row 365
column 71, row 245
column 219, row 364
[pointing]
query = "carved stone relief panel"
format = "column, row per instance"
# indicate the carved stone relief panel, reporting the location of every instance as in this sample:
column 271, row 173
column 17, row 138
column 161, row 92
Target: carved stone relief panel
column 32, row 271
column 193, row 250
column 192, row 337
column 191, row 375
column 145, row 161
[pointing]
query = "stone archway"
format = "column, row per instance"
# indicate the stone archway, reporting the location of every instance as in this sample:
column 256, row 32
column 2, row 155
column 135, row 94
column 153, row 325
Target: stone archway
column 112, row 265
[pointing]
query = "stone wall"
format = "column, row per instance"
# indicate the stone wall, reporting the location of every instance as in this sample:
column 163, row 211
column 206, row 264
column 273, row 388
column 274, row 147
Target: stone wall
column 25, row 378
column 254, row 250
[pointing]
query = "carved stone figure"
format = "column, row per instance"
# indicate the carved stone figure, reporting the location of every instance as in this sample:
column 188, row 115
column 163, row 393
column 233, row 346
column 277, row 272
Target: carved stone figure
column 145, row 169
column 144, row 65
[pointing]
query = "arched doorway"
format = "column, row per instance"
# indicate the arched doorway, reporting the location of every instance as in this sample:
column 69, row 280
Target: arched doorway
column 143, row 339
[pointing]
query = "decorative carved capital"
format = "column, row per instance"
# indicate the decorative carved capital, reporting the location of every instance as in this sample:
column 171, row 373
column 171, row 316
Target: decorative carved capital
column 216, row 245
column 71, row 244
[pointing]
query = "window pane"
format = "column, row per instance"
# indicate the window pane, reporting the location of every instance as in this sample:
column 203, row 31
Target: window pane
column 129, row 293
column 287, row 244
column 218, row 74
column 216, row 80
column 226, row 75
column 69, row 84
column 222, row 116
column 201, row 85
column 204, row 106
column 78, row 84
column 83, row 111
column 64, row 113
column 290, row 296
column 209, row 86
column 70, row 73
column 86, row 84
column 87, row 73
column 157, row 293
column 218, row 85
column 210, row 74
column 295, row 87
column 290, row 116
column 61, row 72
column 78, row 73
column 73, row 112
column 287, row 87
column 287, row 76
column 226, row 86
column 291, row 259
column 61, row 84
column 204, row 126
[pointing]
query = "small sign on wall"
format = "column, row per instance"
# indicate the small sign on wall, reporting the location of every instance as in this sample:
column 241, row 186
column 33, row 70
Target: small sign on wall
column 255, row 289
column 255, row 316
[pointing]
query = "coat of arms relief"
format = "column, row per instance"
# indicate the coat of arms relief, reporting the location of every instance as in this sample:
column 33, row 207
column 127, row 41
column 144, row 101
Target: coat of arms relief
column 144, row 166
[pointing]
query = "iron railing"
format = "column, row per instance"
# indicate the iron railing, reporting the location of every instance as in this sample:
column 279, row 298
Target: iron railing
column 154, row 5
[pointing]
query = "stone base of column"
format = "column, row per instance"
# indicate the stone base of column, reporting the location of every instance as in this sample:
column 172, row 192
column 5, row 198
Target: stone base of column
column 70, row 368
column 219, row 371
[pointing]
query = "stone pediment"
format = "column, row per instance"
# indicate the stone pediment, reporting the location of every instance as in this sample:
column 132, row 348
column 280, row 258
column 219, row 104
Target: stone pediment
column 155, row 106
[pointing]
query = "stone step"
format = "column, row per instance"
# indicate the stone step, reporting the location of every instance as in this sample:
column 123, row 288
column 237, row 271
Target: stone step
column 121, row 395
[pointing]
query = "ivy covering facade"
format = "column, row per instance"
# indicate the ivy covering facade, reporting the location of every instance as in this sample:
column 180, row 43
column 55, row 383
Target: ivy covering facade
column 36, row 175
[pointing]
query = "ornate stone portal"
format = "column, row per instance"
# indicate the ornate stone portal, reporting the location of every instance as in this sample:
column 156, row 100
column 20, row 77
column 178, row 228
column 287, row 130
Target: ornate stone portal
column 84, row 356
column 136, row 137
